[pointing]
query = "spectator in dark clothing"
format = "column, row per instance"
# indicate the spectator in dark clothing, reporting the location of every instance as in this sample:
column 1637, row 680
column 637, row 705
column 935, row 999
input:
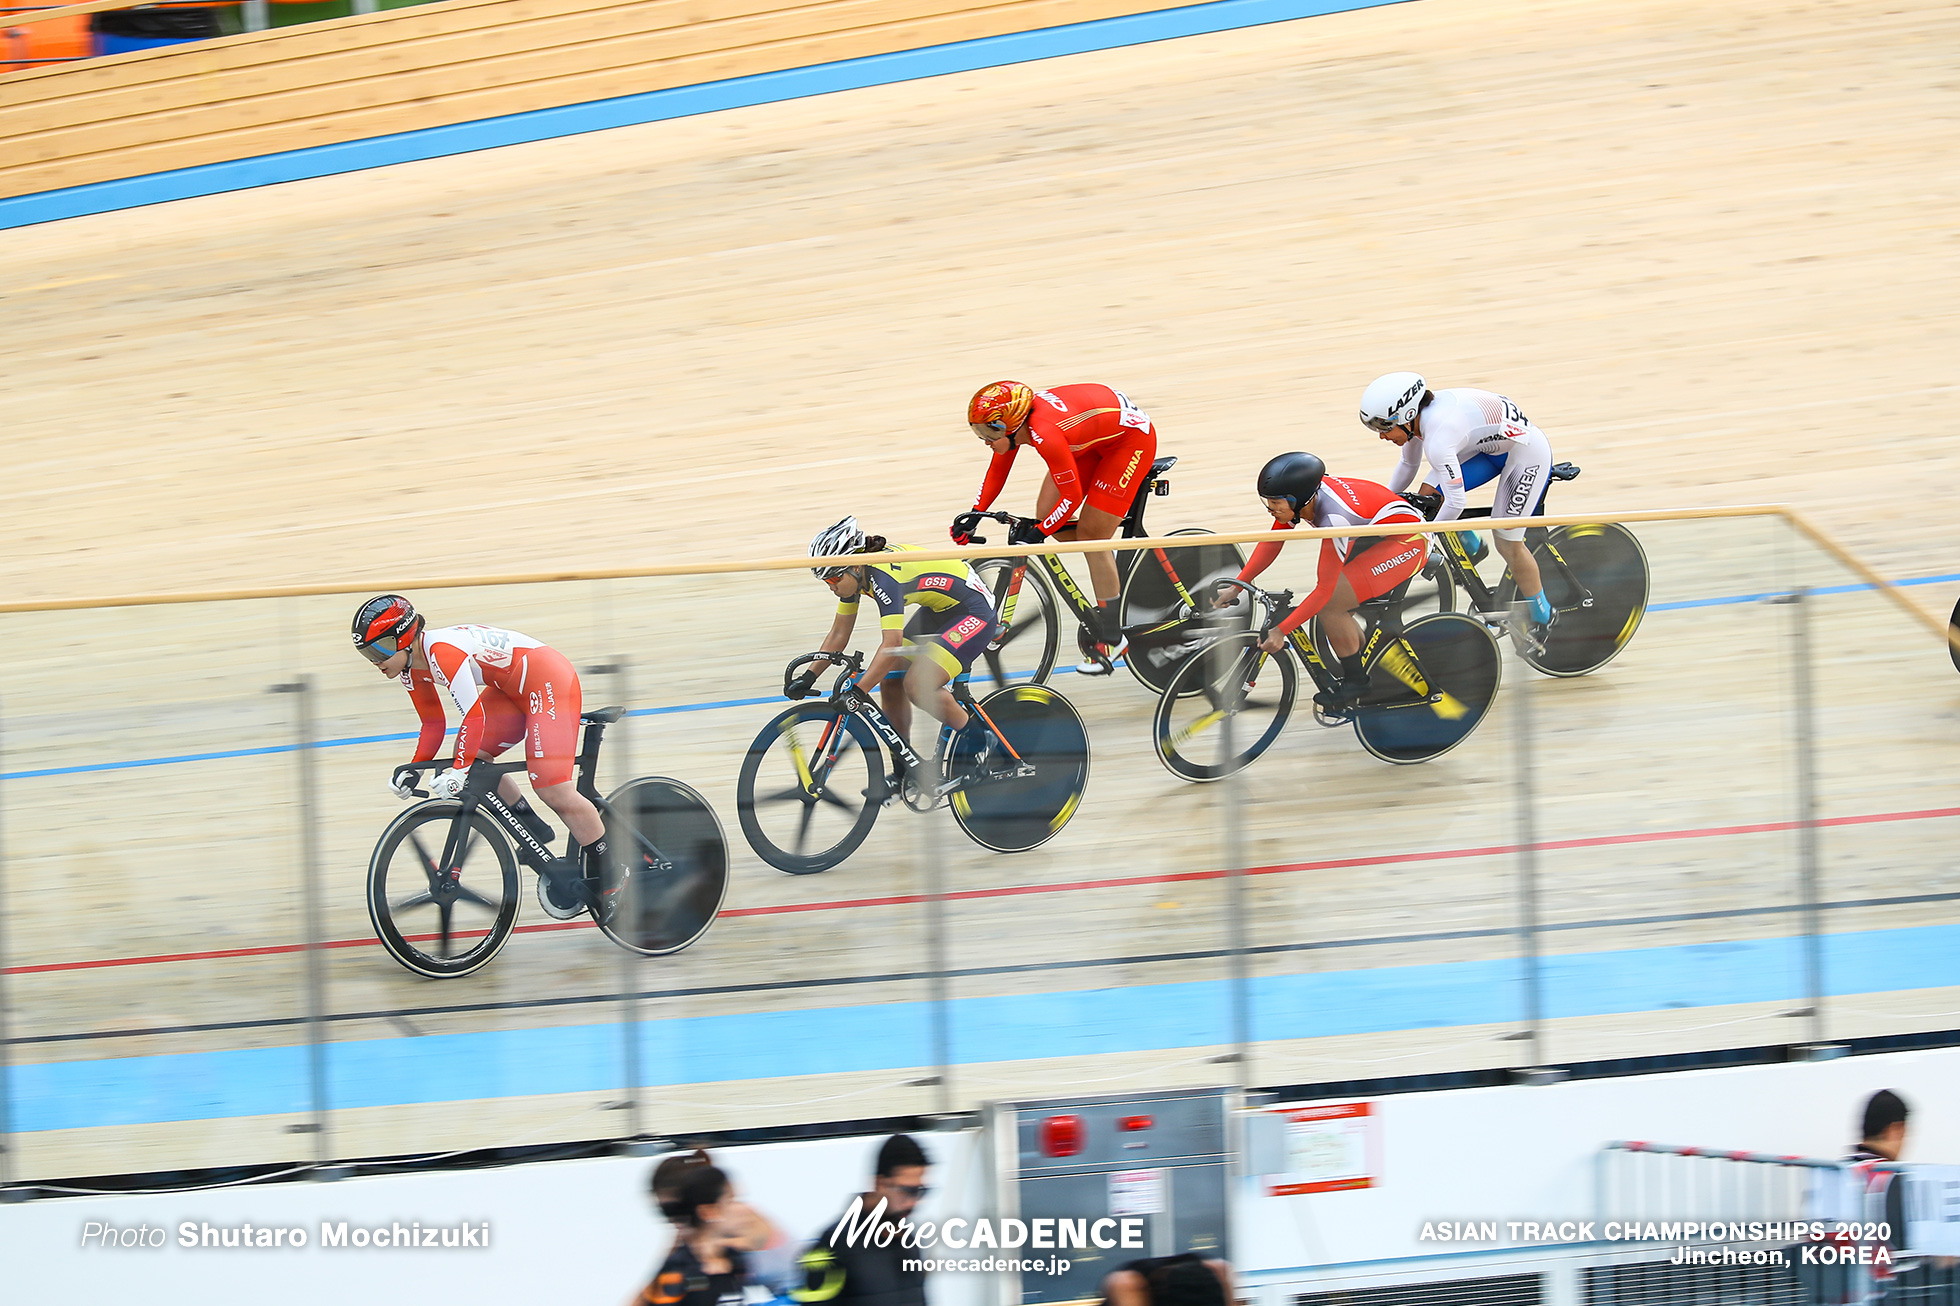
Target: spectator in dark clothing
column 705, row 1267
column 769, row 1255
column 1883, row 1136
column 840, row 1269
column 1185, row 1280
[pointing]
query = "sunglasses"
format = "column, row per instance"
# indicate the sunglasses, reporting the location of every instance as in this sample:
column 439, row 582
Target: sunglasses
column 384, row 648
column 913, row 1191
column 989, row 431
column 1380, row 424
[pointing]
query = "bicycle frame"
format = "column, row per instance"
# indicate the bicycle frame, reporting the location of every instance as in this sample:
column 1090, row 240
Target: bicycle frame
column 854, row 700
column 1381, row 625
column 1483, row 598
column 480, row 793
column 1132, row 529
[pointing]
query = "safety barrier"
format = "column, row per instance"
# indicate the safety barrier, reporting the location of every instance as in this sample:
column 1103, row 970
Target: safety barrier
column 1736, row 834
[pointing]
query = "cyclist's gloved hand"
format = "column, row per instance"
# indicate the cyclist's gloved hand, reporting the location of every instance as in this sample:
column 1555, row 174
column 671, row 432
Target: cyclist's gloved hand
column 449, row 784
column 963, row 527
column 1025, row 530
column 801, row 686
column 402, row 782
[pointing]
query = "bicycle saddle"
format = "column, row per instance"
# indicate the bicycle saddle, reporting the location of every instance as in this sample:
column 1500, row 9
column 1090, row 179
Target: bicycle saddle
column 1163, row 464
column 603, row 715
column 1564, row 471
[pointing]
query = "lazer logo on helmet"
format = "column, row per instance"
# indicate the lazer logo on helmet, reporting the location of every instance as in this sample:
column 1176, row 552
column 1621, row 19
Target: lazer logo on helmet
column 1408, row 395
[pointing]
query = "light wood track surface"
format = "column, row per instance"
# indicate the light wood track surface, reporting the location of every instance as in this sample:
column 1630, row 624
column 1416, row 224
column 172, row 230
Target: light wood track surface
column 1709, row 253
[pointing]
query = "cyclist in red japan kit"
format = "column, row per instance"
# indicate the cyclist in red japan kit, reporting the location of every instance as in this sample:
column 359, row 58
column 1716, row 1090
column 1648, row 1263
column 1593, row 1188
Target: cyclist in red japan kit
column 507, row 688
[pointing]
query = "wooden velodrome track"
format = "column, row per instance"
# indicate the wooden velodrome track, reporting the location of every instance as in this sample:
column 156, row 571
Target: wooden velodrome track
column 1711, row 253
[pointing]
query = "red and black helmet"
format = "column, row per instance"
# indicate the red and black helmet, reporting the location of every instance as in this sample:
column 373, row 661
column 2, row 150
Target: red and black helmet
column 384, row 626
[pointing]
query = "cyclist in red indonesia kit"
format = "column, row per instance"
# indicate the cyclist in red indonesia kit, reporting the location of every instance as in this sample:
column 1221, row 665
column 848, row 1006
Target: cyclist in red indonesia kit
column 1097, row 445
column 507, row 687
column 1469, row 437
column 1296, row 488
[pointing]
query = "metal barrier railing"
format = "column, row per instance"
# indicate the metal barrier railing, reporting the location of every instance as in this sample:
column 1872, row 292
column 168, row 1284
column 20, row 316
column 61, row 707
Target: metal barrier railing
column 162, row 961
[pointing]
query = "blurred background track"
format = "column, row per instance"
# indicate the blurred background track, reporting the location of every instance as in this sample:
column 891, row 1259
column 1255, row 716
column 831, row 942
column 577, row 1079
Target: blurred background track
column 1711, row 253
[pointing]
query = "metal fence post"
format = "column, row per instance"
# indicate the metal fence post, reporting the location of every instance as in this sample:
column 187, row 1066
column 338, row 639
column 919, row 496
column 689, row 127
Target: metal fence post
column 1808, row 868
column 1534, row 1005
column 629, row 997
column 316, row 980
column 938, row 963
column 1235, row 913
column 6, row 1099
column 257, row 14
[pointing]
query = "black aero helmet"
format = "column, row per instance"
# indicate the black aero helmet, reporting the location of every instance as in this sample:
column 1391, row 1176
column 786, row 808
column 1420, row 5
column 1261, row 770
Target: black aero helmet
column 385, row 625
column 1294, row 477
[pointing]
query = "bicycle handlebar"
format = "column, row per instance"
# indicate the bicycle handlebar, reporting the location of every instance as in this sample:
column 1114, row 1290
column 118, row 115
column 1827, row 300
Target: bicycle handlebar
column 852, row 663
column 1273, row 603
column 966, row 521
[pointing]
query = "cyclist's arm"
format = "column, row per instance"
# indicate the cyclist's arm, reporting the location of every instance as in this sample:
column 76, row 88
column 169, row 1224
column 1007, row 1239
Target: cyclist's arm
column 468, row 697
column 840, row 627
column 890, row 597
column 1323, row 589
column 1447, row 463
column 1263, row 554
column 996, row 481
column 428, row 705
column 1061, row 466
column 1405, row 471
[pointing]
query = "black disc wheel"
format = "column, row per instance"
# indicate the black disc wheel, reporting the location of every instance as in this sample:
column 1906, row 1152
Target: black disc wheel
column 440, row 917
column 1953, row 636
column 810, row 788
column 1595, row 578
column 1429, row 689
column 1223, row 708
column 1024, row 649
column 1021, row 796
column 1156, row 608
column 668, row 872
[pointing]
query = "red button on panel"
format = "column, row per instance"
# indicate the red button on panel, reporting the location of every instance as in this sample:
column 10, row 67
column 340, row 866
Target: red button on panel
column 1061, row 1136
column 1132, row 1124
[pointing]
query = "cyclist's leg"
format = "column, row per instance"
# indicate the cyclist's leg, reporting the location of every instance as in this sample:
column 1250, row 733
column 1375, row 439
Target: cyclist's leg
column 1366, row 574
column 1109, row 478
column 553, row 700
column 1109, row 488
column 1520, row 489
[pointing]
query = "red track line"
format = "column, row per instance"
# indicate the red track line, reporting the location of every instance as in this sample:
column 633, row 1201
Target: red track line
column 1073, row 886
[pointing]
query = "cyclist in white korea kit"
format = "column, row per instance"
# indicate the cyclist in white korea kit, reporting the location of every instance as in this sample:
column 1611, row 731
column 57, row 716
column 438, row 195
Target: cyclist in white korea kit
column 1469, row 437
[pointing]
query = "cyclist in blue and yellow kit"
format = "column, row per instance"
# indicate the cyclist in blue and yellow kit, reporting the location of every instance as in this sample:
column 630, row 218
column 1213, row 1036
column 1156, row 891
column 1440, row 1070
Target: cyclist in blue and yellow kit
column 954, row 623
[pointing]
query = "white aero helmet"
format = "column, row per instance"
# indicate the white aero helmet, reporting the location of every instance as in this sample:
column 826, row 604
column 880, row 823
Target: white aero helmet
column 1392, row 400
column 834, row 541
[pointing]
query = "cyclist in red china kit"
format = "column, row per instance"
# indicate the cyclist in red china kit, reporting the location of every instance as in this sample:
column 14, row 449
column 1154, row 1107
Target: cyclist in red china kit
column 1096, row 444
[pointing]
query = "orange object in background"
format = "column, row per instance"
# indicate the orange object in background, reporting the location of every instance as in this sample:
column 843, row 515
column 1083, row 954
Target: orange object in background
column 60, row 39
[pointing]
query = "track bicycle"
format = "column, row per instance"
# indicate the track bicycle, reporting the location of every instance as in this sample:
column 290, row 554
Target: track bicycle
column 1153, row 606
column 814, row 780
column 1430, row 683
column 443, row 888
column 1595, row 578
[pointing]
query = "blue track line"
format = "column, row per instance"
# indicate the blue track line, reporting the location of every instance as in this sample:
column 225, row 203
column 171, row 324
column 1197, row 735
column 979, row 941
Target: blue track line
column 659, row 106
column 717, row 704
column 897, row 1036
